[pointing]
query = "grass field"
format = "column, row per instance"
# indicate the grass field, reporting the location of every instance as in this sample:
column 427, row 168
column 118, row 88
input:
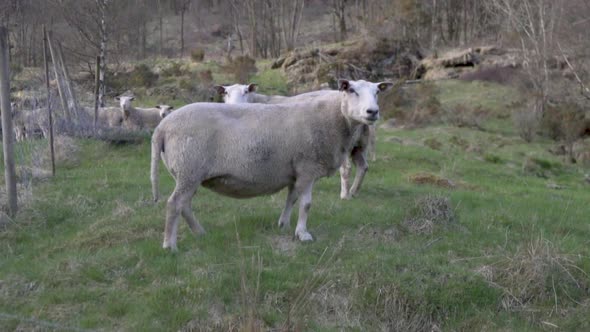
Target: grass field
column 480, row 231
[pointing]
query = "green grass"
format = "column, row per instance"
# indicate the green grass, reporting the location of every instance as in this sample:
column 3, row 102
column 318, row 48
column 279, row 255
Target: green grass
column 86, row 252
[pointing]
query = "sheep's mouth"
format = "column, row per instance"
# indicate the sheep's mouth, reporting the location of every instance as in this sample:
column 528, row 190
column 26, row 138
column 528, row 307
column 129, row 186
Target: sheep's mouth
column 371, row 119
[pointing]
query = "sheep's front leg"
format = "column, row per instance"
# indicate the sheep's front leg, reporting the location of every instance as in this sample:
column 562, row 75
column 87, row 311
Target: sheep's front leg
column 304, row 205
column 372, row 142
column 358, row 156
column 345, row 178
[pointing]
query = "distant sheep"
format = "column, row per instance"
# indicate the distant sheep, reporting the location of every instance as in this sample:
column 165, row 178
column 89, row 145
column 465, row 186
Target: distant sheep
column 250, row 150
column 135, row 118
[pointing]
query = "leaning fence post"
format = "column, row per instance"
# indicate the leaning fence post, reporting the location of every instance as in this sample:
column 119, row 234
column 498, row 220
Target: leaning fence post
column 7, row 134
column 45, row 58
column 96, row 91
column 61, row 87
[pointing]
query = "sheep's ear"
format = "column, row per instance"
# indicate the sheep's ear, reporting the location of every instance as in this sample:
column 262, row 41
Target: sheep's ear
column 158, row 107
column 117, row 98
column 384, row 86
column 343, row 85
column 132, row 98
column 220, row 89
column 252, row 87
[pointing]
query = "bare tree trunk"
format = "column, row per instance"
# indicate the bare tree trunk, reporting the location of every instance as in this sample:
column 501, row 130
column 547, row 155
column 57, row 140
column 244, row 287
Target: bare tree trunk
column 182, row 11
column 252, row 18
column 103, row 4
column 7, row 133
column 96, row 92
column 433, row 33
column 160, row 20
column 46, row 61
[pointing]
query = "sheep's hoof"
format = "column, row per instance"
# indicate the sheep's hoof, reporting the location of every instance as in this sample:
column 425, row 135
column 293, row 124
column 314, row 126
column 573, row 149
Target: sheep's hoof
column 172, row 248
column 346, row 196
column 304, row 236
column 283, row 224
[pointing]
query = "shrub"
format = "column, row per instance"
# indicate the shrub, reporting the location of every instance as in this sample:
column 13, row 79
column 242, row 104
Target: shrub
column 526, row 122
column 174, row 70
column 463, row 116
column 496, row 74
column 142, row 76
column 564, row 121
column 430, row 212
column 242, row 67
column 206, row 76
column 197, row 55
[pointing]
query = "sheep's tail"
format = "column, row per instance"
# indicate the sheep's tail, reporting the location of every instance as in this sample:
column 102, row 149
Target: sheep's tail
column 157, row 149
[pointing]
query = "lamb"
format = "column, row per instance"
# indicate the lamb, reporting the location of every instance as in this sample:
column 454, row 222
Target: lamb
column 239, row 93
column 29, row 122
column 138, row 118
column 245, row 151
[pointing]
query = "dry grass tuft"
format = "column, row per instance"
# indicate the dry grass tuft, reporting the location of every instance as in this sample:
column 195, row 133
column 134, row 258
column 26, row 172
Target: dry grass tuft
column 332, row 305
column 432, row 179
column 283, row 244
column 535, row 274
column 396, row 312
column 429, row 212
column 122, row 210
column 66, row 152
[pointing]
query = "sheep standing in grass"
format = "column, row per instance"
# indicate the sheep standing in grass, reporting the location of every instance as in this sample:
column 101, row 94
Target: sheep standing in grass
column 135, row 118
column 28, row 123
column 249, row 150
column 239, row 93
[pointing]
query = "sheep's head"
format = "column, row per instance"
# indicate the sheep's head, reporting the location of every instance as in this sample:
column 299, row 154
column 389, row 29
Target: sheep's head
column 237, row 93
column 165, row 110
column 125, row 102
column 360, row 99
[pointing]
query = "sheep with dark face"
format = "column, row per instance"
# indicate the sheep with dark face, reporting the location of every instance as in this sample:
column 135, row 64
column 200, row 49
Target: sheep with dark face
column 248, row 150
column 239, row 93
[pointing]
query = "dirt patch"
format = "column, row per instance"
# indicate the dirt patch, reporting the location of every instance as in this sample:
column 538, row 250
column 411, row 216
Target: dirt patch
column 431, row 179
column 430, row 212
column 283, row 244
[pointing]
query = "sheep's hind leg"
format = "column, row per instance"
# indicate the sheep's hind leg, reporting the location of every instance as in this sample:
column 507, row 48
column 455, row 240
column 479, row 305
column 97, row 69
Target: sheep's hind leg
column 345, row 169
column 285, row 218
column 358, row 156
column 304, row 205
column 178, row 202
column 189, row 216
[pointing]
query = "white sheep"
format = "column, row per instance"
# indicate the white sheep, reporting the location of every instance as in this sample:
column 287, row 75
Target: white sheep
column 165, row 110
column 240, row 93
column 28, row 123
column 250, row 150
column 135, row 118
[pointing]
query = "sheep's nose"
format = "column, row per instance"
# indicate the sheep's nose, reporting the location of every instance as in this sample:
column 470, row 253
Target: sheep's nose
column 372, row 112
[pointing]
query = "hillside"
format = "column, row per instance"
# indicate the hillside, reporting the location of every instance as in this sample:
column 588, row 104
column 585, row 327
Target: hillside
column 456, row 228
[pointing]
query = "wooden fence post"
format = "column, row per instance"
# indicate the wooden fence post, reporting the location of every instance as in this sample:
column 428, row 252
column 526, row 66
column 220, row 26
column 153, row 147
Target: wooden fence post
column 51, row 146
column 7, row 133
